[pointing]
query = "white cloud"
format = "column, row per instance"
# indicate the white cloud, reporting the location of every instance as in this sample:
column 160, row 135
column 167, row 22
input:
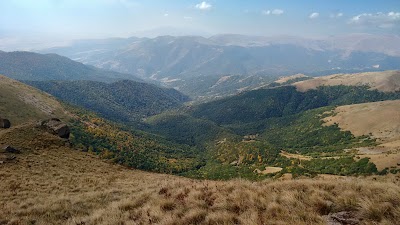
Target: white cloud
column 277, row 11
column 266, row 12
column 379, row 19
column 336, row 15
column 204, row 6
column 313, row 15
column 166, row 14
column 273, row 12
column 188, row 18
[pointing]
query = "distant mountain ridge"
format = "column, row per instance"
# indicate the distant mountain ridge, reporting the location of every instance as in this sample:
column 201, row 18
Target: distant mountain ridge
column 34, row 66
column 182, row 57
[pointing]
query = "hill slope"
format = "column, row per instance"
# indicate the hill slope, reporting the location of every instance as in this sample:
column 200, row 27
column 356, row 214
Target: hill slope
column 72, row 187
column 119, row 101
column 386, row 81
column 247, row 132
column 34, row 66
column 21, row 103
column 24, row 105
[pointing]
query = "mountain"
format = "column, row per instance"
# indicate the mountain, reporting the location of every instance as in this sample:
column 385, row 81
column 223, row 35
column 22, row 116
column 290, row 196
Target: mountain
column 122, row 101
column 191, row 56
column 194, row 64
column 34, row 66
column 206, row 88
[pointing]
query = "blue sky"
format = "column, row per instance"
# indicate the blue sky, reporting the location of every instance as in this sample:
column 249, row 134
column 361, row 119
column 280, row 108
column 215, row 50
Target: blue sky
column 123, row 18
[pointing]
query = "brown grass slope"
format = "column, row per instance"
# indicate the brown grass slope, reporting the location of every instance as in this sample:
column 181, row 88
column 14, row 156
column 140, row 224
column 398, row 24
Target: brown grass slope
column 386, row 81
column 21, row 103
column 50, row 183
column 381, row 120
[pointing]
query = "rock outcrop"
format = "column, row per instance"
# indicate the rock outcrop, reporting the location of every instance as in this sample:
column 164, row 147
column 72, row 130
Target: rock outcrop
column 56, row 127
column 9, row 149
column 5, row 123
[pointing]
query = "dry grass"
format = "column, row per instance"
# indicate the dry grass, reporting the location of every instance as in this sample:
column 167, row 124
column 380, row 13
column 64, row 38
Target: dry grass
column 386, row 81
column 282, row 80
column 53, row 184
column 381, row 120
column 21, row 103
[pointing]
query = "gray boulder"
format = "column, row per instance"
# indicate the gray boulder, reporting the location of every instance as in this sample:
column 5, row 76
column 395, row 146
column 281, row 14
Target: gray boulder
column 56, row 127
column 9, row 149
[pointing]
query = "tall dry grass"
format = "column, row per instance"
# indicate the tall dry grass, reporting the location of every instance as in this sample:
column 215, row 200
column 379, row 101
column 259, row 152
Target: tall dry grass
column 57, row 185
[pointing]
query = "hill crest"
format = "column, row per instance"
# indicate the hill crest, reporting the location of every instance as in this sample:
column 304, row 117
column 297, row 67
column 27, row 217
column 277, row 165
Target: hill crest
column 386, row 81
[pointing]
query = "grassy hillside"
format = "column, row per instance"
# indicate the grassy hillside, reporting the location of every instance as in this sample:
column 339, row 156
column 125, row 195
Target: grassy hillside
column 21, row 103
column 385, row 81
column 119, row 101
column 25, row 105
column 54, row 184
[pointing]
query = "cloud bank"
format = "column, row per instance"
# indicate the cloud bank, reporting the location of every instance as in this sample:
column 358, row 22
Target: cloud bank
column 379, row 19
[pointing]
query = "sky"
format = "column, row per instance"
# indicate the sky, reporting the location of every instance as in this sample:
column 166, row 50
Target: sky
column 76, row 19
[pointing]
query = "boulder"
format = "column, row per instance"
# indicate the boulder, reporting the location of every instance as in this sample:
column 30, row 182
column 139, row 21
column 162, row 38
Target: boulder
column 56, row 127
column 341, row 218
column 9, row 149
column 4, row 123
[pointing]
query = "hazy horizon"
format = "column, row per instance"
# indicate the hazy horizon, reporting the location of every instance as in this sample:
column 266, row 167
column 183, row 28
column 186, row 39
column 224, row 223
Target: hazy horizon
column 26, row 24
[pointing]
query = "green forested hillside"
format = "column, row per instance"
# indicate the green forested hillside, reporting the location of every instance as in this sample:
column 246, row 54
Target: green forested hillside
column 131, row 147
column 41, row 67
column 248, row 131
column 185, row 129
column 277, row 102
column 121, row 101
column 232, row 137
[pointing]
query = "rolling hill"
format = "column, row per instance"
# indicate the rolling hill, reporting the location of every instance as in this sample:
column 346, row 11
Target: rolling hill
column 41, row 67
column 73, row 187
column 387, row 81
column 249, row 131
column 24, row 106
column 51, row 177
column 122, row 101
column 21, row 103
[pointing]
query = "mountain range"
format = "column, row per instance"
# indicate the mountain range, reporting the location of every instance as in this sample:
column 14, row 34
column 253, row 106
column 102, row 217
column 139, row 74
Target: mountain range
column 167, row 58
column 198, row 66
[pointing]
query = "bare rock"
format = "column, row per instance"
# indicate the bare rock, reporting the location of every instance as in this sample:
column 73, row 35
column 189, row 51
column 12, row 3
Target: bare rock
column 5, row 123
column 56, row 127
column 342, row 218
column 9, row 149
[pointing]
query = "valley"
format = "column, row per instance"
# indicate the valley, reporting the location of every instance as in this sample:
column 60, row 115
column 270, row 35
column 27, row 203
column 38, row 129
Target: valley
column 134, row 112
